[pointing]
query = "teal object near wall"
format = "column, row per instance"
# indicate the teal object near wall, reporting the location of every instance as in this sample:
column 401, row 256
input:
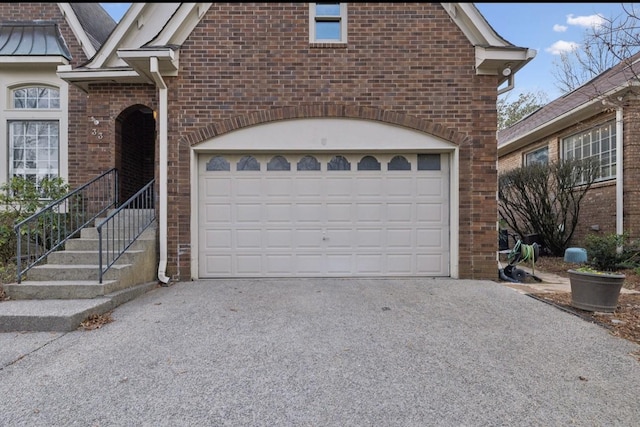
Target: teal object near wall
column 575, row 255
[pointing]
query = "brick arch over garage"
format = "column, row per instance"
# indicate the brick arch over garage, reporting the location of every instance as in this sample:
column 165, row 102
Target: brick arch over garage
column 324, row 111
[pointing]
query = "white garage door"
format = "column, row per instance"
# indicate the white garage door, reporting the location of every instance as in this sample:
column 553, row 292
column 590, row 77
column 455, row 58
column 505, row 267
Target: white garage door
column 312, row 215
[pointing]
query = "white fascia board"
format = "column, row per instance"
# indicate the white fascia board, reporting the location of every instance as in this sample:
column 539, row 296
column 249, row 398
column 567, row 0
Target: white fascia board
column 163, row 53
column 112, row 43
column 140, row 23
column 491, row 61
column 139, row 60
column 83, row 78
column 181, row 24
column 56, row 60
column 78, row 31
column 473, row 25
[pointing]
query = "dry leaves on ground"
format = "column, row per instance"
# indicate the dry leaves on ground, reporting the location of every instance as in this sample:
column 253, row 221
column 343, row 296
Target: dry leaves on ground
column 96, row 321
column 624, row 322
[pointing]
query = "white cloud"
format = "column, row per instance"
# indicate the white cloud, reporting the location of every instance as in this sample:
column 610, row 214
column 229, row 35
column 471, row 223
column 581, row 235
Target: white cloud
column 561, row 47
column 586, row 21
column 560, row 28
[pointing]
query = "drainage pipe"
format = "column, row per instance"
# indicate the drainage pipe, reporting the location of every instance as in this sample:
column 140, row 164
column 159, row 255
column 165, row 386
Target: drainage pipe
column 619, row 172
column 162, row 181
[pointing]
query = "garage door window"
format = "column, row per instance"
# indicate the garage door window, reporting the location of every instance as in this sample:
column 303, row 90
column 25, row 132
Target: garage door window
column 399, row 163
column 218, row 163
column 369, row 163
column 248, row 163
column 308, row 163
column 339, row 163
column 278, row 163
column 428, row 162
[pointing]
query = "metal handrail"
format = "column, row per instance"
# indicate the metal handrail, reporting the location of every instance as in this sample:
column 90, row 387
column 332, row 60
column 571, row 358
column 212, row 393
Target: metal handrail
column 123, row 226
column 63, row 218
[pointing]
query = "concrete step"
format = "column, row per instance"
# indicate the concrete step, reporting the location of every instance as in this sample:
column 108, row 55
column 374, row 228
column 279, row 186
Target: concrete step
column 54, row 272
column 120, row 230
column 62, row 315
column 60, row 289
column 71, row 257
column 86, row 244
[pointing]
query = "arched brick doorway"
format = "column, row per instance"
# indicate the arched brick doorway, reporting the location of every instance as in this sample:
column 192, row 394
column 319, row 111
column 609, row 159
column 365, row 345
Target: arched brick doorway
column 135, row 149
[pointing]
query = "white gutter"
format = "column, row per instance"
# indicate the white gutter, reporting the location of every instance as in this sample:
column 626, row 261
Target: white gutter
column 619, row 172
column 163, row 142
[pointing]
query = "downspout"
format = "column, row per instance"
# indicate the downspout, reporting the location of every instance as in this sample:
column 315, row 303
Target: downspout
column 163, row 142
column 619, row 172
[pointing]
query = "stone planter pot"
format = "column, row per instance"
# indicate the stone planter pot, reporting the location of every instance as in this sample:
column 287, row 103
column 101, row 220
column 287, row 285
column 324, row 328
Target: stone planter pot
column 595, row 291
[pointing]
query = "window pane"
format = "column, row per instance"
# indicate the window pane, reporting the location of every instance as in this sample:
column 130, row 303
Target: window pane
column 328, row 30
column 36, row 98
column 308, row 163
column 339, row 163
column 428, row 162
column 399, row 163
column 540, row 156
column 34, row 149
column 598, row 143
column 248, row 163
column 327, row 9
column 369, row 163
column 218, row 163
column 278, row 163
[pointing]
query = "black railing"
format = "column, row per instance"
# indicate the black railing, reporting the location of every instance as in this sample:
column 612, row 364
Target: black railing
column 118, row 231
column 48, row 229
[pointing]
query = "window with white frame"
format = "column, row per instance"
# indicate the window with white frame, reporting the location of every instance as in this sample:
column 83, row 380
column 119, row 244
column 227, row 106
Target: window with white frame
column 34, row 140
column 539, row 156
column 598, row 143
column 328, row 22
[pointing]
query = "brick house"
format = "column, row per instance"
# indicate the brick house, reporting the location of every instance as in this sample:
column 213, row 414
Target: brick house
column 598, row 119
column 302, row 139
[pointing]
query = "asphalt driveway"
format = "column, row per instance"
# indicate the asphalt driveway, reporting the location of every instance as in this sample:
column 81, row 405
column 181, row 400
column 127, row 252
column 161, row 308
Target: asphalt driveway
column 324, row 352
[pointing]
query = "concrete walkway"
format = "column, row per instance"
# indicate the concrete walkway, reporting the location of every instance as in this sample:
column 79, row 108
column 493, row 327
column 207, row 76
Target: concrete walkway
column 324, row 352
column 550, row 283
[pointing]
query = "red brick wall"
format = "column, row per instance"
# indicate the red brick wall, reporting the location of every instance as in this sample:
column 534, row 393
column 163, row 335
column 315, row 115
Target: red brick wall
column 405, row 63
column 598, row 208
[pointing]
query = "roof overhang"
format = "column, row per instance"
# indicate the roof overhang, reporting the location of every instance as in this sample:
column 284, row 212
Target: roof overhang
column 139, row 70
column 33, row 60
column 139, row 60
column 579, row 114
column 495, row 56
column 502, row 61
column 82, row 78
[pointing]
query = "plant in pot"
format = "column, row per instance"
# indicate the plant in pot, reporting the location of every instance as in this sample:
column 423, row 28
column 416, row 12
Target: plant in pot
column 596, row 285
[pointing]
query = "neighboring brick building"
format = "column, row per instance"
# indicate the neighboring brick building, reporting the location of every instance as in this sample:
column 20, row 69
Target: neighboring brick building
column 598, row 119
column 303, row 139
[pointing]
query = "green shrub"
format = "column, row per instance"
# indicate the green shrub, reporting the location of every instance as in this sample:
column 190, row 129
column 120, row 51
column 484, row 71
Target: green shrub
column 611, row 252
column 19, row 199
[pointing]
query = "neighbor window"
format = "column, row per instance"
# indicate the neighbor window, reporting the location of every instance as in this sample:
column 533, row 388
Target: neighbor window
column 34, row 144
column 328, row 22
column 539, row 156
column 598, row 143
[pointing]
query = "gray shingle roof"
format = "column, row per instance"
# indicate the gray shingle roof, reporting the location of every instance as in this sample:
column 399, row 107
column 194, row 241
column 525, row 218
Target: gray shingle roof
column 615, row 77
column 33, row 38
column 95, row 21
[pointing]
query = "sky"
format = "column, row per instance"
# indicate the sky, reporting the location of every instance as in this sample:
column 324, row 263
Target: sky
column 548, row 28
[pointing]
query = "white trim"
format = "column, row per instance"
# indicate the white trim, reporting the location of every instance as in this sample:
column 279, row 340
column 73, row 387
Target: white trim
column 326, row 134
column 342, row 20
column 12, row 80
column 619, row 171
